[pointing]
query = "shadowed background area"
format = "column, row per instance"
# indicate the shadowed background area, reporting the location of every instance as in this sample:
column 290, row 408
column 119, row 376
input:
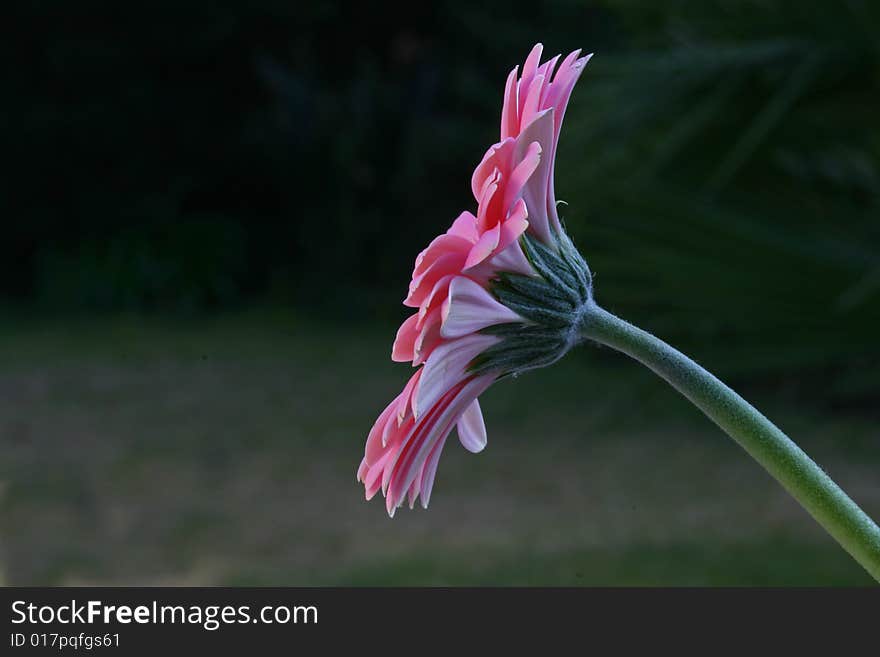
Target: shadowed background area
column 211, row 220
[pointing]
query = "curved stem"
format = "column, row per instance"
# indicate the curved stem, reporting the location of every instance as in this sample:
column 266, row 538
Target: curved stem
column 797, row 472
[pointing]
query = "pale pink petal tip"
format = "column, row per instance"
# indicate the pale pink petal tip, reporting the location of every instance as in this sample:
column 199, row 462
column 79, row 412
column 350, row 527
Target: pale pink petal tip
column 483, row 248
column 404, row 343
column 472, row 428
column 470, row 308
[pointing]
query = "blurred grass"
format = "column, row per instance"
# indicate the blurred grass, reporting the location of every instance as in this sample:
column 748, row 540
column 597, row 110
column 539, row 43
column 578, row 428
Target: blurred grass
column 223, row 451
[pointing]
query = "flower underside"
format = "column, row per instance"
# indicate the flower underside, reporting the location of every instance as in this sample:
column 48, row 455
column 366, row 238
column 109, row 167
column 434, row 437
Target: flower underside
column 550, row 303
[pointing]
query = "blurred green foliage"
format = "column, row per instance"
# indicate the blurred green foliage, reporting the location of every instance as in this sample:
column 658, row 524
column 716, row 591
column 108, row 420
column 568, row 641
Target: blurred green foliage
column 195, row 263
column 723, row 170
column 721, row 161
column 324, row 143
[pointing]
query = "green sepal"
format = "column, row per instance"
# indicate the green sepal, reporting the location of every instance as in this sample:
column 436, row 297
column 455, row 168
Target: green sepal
column 551, row 302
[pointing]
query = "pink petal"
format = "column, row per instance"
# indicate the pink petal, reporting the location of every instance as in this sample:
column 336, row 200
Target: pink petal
column 414, row 491
column 402, row 439
column 509, row 110
column 372, row 479
column 526, row 166
column 532, row 104
column 566, row 77
column 485, row 171
column 429, row 471
column 446, row 367
column 434, row 299
column 485, row 220
column 374, row 438
column 429, row 337
column 510, row 259
column 465, row 226
column 515, row 225
column 420, row 286
column 377, row 439
column 415, row 430
column 484, row 247
column 436, row 428
column 536, row 188
column 470, row 307
column 472, row 428
column 392, row 426
column 439, row 246
column 546, row 69
column 529, row 69
column 402, row 349
column 405, row 405
column 494, row 162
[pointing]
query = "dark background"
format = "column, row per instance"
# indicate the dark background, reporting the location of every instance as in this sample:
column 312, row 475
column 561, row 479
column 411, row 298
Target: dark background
column 211, row 212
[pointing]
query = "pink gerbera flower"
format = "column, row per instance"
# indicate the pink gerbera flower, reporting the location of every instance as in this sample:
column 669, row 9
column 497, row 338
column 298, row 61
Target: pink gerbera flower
column 500, row 292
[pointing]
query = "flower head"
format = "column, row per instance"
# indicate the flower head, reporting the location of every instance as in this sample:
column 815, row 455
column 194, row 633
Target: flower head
column 500, row 292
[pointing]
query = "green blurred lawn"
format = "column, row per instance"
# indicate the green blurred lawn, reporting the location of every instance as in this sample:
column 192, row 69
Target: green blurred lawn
column 224, row 452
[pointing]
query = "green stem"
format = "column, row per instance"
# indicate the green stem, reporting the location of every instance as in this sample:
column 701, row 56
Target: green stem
column 797, row 472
